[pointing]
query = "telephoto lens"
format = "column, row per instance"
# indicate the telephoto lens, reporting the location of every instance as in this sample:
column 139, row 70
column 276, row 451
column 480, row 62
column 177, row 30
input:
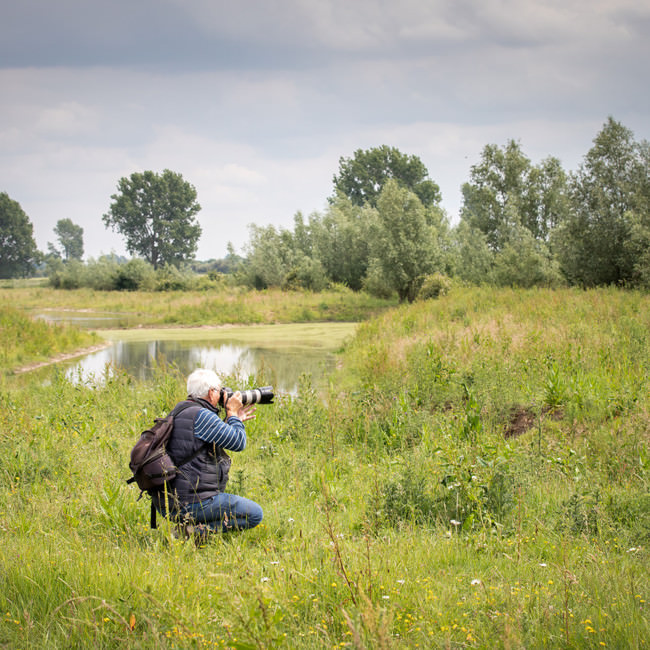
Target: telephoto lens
column 262, row 395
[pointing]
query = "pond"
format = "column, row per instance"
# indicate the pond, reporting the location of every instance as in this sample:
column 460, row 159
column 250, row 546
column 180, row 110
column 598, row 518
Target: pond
column 279, row 353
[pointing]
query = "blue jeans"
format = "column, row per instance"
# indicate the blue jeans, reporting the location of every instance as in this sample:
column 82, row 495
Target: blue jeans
column 224, row 512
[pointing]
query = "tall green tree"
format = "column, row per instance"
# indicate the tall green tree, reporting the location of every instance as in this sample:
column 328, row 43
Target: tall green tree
column 70, row 238
column 403, row 245
column 506, row 191
column 637, row 247
column 340, row 241
column 270, row 256
column 156, row 215
column 610, row 210
column 18, row 251
column 363, row 176
column 525, row 262
column 545, row 203
column 472, row 258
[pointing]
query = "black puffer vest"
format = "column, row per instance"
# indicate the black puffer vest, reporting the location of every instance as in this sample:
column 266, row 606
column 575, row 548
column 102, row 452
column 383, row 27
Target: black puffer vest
column 207, row 473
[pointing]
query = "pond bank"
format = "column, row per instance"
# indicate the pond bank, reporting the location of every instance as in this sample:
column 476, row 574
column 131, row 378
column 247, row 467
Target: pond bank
column 325, row 336
column 66, row 356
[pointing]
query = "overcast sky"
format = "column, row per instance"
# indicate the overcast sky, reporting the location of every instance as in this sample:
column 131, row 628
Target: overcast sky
column 255, row 101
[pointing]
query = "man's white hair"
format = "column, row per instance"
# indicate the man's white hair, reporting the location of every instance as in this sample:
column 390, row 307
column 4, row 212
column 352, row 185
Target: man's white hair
column 201, row 381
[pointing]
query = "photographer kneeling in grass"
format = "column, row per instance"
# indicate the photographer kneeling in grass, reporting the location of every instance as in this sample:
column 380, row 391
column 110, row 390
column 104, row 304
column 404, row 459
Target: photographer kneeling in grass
column 196, row 496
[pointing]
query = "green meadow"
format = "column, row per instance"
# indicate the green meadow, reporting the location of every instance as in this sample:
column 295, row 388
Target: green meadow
column 475, row 475
column 235, row 305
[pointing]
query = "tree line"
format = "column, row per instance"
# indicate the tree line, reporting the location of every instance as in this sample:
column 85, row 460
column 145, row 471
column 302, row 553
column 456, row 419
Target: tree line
column 384, row 230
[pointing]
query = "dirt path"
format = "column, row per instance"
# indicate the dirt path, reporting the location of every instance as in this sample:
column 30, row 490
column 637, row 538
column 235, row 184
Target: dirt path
column 62, row 357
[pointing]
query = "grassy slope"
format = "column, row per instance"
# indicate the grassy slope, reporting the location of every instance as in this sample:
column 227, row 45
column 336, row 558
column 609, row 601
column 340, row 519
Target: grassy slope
column 25, row 340
column 477, row 478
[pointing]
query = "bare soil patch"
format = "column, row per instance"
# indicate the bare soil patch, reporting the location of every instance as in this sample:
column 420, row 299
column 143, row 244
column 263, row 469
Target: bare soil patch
column 524, row 418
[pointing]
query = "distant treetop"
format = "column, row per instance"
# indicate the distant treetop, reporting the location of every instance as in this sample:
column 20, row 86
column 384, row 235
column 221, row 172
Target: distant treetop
column 362, row 177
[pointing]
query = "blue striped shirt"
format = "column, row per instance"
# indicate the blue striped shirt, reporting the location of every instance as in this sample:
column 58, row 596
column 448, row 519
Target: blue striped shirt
column 209, row 427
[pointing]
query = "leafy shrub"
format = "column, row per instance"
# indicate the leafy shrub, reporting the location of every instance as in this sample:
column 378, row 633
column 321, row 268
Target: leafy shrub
column 470, row 256
column 97, row 274
column 135, row 275
column 65, row 275
column 526, row 262
column 309, row 274
column 171, row 278
column 100, row 274
column 375, row 283
column 638, row 249
column 109, row 273
column 434, row 286
column 212, row 281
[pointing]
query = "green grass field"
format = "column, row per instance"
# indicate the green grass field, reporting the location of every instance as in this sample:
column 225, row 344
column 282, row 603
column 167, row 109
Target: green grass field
column 192, row 308
column 287, row 335
column 476, row 477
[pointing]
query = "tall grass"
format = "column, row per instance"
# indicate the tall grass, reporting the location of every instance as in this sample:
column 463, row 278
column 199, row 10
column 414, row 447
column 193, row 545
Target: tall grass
column 227, row 306
column 26, row 340
column 476, row 476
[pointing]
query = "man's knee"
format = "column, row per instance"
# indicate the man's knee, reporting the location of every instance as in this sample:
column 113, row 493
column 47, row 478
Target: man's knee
column 255, row 516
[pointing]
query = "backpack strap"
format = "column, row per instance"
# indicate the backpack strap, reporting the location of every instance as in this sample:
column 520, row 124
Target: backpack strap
column 176, row 410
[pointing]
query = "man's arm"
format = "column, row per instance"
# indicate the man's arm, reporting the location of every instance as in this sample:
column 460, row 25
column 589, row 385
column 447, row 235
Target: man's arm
column 209, row 427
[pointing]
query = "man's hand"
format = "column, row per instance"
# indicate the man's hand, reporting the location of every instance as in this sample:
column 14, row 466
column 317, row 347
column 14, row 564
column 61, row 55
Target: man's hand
column 235, row 407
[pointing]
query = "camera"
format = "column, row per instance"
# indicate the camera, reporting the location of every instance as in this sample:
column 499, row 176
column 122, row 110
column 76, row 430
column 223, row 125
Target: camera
column 262, row 395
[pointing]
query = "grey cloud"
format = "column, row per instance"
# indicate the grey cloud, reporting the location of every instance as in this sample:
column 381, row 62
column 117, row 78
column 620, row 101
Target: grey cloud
column 255, row 101
column 294, row 34
column 84, row 33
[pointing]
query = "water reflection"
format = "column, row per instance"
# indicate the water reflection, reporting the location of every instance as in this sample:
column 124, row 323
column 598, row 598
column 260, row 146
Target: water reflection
column 280, row 367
